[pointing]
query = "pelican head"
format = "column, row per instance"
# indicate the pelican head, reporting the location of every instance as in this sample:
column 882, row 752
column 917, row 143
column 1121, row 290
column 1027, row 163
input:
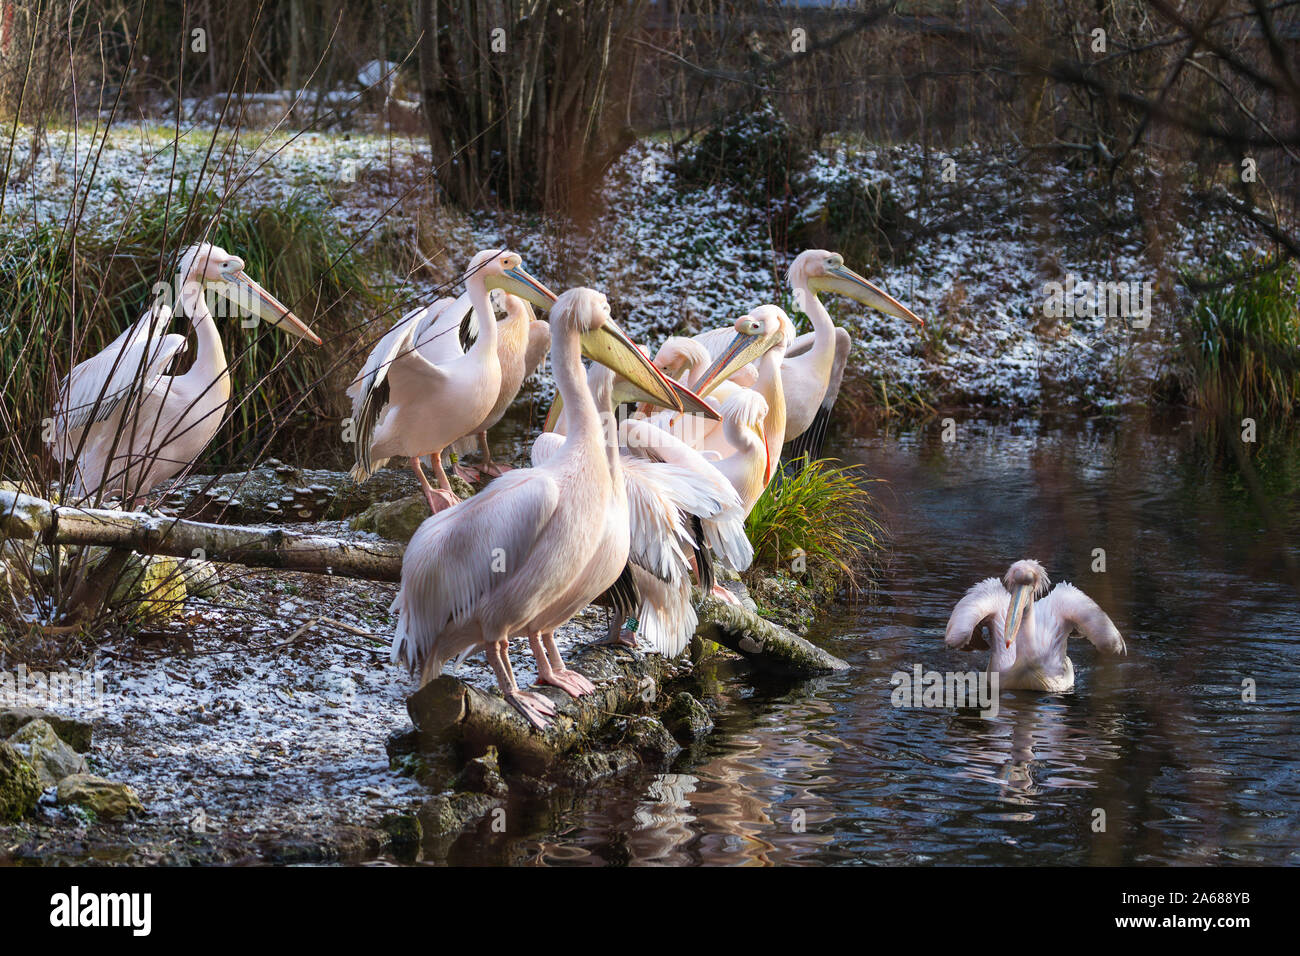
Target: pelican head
column 504, row 270
column 1025, row 580
column 626, row 388
column 587, row 311
column 679, row 354
column 213, row 267
column 767, row 327
column 823, row 271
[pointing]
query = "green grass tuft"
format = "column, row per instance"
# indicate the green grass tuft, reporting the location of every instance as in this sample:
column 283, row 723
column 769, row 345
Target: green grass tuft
column 825, row 512
column 1244, row 338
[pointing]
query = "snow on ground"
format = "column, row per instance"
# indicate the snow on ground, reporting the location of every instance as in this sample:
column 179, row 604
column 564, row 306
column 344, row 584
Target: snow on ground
column 244, row 733
column 675, row 260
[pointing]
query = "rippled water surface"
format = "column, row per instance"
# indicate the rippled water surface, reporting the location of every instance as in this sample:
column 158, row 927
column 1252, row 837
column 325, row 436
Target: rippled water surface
column 1160, row 747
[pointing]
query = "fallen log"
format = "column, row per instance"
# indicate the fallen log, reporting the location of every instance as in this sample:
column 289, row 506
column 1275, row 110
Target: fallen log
column 34, row 519
column 447, row 710
column 769, row 647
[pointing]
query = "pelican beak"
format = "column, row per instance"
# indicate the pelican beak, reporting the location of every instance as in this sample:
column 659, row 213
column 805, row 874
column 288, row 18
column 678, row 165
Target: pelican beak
column 610, row 346
column 845, row 281
column 742, row 350
column 1021, row 598
column 518, row 282
column 246, row 293
column 691, row 403
column 553, row 416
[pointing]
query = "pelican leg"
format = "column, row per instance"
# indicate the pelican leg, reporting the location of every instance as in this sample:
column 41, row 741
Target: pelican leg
column 723, row 595
column 464, row 472
column 534, row 708
column 490, row 467
column 618, row 636
column 441, row 498
column 552, row 670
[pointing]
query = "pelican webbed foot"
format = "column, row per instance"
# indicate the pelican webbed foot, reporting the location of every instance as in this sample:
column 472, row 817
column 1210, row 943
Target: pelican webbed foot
column 494, row 469
column 552, row 670
column 723, row 595
column 534, row 708
column 466, row 473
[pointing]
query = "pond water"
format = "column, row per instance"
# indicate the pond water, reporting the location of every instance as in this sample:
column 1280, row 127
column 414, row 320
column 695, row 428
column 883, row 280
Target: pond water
column 1155, row 758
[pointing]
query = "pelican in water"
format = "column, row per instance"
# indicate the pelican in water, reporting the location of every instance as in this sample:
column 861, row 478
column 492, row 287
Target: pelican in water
column 679, row 505
column 814, row 363
column 126, row 423
column 417, row 393
column 1029, row 627
column 537, row 544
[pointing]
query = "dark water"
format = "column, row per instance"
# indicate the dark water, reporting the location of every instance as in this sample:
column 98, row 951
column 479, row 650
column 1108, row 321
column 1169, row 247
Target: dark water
column 1199, row 580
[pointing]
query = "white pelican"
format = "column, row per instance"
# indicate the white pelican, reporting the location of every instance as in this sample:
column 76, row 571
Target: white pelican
column 810, row 369
column 537, row 544
column 405, row 403
column 522, row 340
column 761, row 336
column 678, row 505
column 128, row 425
column 1029, row 635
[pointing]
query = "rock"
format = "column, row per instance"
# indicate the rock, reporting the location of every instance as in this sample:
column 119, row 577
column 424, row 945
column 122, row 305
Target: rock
column 106, row 799
column 483, row 775
column 651, row 739
column 394, row 520
column 686, row 718
column 201, row 578
column 442, row 815
column 75, row 733
column 153, row 586
column 584, row 769
column 49, row 756
column 19, row 787
column 404, row 830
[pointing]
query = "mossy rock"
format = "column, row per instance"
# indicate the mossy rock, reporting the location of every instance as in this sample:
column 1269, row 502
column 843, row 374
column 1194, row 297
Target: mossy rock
column 106, row 799
column 152, row 587
column 650, row 739
column 49, row 756
column 686, row 718
column 394, row 520
column 19, row 786
column 76, row 733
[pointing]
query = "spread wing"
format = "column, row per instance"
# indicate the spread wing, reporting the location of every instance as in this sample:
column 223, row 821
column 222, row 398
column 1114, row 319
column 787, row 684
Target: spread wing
column 1081, row 612
column 716, row 504
column 130, row 367
column 984, row 605
column 459, row 557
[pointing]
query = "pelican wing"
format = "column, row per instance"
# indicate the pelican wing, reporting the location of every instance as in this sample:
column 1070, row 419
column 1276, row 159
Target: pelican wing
column 130, row 367
column 658, row 494
column 545, row 447
column 459, row 557
column 719, row 506
column 1082, row 613
column 447, row 329
column 985, row 604
column 369, row 391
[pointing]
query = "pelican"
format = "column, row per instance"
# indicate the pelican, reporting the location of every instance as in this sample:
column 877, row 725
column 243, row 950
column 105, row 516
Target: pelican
column 129, row 426
column 522, row 341
column 537, row 544
column 678, row 505
column 1029, row 629
column 761, row 336
column 406, row 403
column 813, row 365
